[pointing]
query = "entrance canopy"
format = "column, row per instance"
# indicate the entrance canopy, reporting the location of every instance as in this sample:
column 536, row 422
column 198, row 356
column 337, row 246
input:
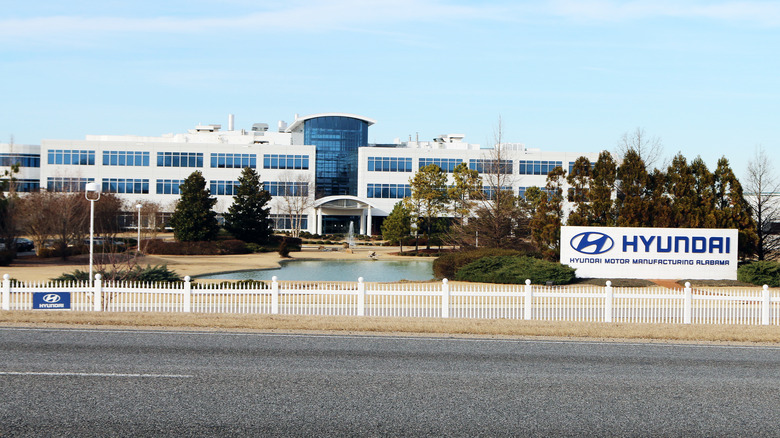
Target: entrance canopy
column 333, row 214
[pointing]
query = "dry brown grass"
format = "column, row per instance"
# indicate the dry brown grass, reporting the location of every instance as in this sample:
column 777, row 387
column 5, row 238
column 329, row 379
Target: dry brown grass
column 406, row 326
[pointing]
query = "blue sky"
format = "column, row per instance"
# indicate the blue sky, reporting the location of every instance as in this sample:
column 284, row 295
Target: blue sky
column 562, row 75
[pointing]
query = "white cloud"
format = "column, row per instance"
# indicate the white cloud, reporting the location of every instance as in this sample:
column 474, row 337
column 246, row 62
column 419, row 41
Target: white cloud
column 752, row 12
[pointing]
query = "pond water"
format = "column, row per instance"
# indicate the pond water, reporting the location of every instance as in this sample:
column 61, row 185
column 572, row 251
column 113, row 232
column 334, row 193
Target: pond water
column 338, row 270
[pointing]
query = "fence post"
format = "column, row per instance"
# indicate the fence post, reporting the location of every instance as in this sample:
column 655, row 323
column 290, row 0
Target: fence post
column 274, row 295
column 361, row 297
column 187, row 295
column 766, row 303
column 98, row 293
column 6, row 292
column 609, row 301
column 445, row 298
column 529, row 297
column 688, row 304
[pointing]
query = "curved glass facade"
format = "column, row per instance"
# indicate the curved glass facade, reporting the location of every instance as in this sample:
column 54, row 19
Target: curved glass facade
column 337, row 139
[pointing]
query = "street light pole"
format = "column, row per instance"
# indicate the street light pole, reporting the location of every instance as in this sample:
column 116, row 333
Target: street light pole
column 138, row 244
column 92, row 190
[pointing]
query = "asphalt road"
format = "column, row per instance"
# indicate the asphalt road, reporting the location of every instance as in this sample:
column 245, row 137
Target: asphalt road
column 158, row 383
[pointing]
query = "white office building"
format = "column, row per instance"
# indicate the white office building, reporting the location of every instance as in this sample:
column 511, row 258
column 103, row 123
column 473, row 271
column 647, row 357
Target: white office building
column 324, row 160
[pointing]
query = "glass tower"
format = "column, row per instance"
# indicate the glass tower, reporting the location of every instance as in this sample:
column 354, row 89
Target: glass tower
column 337, row 139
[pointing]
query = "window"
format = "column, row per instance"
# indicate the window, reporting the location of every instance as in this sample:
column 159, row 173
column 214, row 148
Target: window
column 179, row 159
column 491, row 166
column 287, row 222
column 571, row 166
column 125, row 158
column 168, row 186
column 389, row 191
column 27, row 185
column 281, row 161
column 446, row 164
column 538, row 167
column 223, row 187
column 71, row 157
column 233, row 161
column 490, row 192
column 60, row 184
column 23, row 160
column 125, row 185
column 282, row 188
column 389, row 164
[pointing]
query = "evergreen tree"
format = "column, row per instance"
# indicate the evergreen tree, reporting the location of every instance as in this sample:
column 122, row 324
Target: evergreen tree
column 602, row 185
column 579, row 192
column 548, row 216
column 429, row 196
column 193, row 219
column 397, row 225
column 248, row 217
column 631, row 203
column 732, row 209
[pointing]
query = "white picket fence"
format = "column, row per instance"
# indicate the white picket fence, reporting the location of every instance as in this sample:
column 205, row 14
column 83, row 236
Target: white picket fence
column 754, row 306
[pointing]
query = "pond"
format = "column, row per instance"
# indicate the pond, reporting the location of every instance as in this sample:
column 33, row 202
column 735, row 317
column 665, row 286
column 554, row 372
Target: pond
column 338, row 270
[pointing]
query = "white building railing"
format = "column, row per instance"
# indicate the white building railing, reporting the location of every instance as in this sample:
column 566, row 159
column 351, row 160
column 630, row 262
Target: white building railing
column 751, row 306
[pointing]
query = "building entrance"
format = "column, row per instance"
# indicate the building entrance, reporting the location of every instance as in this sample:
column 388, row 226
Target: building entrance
column 340, row 224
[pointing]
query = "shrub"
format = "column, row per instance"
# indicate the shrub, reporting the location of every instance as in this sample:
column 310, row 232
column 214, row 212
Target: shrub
column 446, row 265
column 150, row 274
column 218, row 247
column 515, row 270
column 760, row 273
column 6, row 257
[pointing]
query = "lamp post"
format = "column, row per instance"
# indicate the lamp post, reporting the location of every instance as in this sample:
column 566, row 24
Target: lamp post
column 138, row 244
column 92, row 193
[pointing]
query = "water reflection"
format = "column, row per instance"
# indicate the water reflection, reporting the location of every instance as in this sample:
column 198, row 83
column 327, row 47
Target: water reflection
column 339, row 270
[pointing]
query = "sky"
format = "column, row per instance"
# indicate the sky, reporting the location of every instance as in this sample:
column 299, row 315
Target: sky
column 558, row 75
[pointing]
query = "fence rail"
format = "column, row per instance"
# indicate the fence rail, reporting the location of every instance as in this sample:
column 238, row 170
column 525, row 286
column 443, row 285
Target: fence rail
column 754, row 306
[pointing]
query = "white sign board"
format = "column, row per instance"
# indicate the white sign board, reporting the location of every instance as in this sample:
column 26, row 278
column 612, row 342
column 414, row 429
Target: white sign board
column 651, row 253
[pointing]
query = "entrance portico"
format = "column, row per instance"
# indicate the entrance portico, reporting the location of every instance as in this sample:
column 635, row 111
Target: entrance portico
column 333, row 214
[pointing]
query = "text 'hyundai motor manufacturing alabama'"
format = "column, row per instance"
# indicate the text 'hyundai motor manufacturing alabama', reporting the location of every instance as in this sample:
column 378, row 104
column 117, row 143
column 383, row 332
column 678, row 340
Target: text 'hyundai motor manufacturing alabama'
column 651, row 253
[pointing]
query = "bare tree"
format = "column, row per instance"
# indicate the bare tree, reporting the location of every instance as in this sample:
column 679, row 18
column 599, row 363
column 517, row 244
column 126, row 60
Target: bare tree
column 762, row 188
column 497, row 218
column 61, row 216
column 295, row 196
column 650, row 149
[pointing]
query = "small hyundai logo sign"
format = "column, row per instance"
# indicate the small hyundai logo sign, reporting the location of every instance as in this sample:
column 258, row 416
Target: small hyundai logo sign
column 52, row 298
column 592, row 243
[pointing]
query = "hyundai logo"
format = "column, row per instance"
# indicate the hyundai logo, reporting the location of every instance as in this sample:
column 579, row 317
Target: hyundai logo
column 592, row 243
column 52, row 298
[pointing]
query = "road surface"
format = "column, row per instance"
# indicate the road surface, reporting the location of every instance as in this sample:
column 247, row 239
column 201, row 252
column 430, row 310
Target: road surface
column 88, row 382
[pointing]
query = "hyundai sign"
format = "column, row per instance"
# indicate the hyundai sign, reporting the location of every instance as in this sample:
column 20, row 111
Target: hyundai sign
column 51, row 301
column 651, row 253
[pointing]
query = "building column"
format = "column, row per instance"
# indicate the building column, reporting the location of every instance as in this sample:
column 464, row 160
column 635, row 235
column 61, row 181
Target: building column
column 368, row 221
column 318, row 219
column 363, row 221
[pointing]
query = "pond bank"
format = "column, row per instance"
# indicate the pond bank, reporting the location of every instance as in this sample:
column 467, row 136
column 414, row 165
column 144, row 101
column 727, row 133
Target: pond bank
column 34, row 269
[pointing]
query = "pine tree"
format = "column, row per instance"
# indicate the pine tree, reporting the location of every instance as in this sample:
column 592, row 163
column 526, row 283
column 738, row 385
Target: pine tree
column 602, row 212
column 248, row 217
column 193, row 219
column 397, row 225
column 632, row 203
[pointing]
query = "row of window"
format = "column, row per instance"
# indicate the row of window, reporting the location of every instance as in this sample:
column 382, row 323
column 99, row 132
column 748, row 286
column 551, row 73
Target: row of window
column 125, row 158
column 538, row 167
column 389, row 191
column 389, row 164
column 288, row 222
column 270, row 161
column 71, row 156
column 284, row 188
column 280, row 161
column 164, row 159
column 23, row 160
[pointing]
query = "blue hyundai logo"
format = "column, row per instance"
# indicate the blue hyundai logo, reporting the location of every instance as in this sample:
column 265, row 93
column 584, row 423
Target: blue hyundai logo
column 591, row 242
column 52, row 298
